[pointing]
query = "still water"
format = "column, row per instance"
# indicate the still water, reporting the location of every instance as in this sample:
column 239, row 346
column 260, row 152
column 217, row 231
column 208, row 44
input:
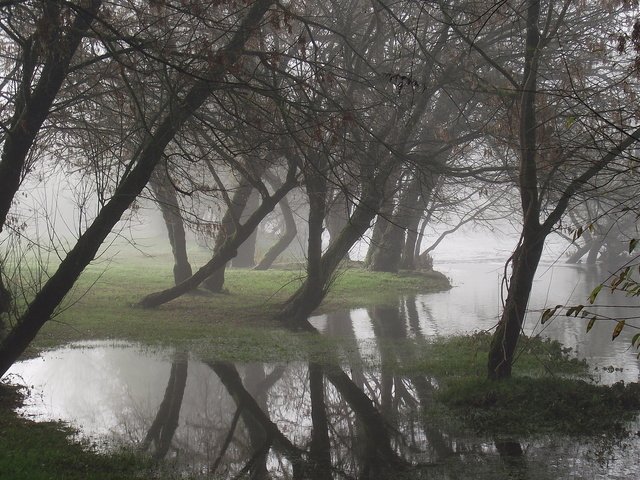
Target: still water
column 220, row 420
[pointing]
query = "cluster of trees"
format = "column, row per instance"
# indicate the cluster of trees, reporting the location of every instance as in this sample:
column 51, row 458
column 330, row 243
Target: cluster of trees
column 380, row 114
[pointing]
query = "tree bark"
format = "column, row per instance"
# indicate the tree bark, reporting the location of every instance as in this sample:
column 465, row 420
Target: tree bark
column 387, row 256
column 167, row 200
column 337, row 214
column 41, row 308
column 311, row 293
column 228, row 226
column 246, row 257
column 505, row 338
column 527, row 255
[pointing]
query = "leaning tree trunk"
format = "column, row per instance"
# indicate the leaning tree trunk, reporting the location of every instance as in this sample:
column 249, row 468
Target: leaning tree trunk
column 215, row 281
column 167, row 200
column 505, row 338
column 290, row 232
column 311, row 293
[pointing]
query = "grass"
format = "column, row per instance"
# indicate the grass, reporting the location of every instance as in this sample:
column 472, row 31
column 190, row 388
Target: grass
column 536, row 405
column 236, row 325
column 549, row 392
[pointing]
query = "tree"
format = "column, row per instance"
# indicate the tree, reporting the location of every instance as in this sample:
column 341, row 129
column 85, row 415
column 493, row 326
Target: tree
column 558, row 156
column 136, row 172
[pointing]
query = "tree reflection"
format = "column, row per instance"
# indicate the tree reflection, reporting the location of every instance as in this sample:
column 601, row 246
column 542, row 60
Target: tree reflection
column 161, row 432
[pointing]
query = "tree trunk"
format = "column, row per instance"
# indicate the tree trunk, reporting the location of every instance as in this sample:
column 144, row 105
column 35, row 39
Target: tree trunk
column 167, row 200
column 407, row 260
column 386, row 256
column 226, row 251
column 337, row 214
column 527, row 255
column 41, row 308
column 386, row 211
column 311, row 293
column 246, row 257
column 290, row 232
column 215, row 281
column 505, row 338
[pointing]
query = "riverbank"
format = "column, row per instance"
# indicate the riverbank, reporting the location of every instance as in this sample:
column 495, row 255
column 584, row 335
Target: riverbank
column 236, row 325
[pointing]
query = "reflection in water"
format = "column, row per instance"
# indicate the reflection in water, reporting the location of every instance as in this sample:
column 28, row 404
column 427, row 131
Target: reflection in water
column 298, row 421
column 319, row 421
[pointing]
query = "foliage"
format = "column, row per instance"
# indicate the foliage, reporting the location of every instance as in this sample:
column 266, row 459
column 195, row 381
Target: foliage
column 623, row 281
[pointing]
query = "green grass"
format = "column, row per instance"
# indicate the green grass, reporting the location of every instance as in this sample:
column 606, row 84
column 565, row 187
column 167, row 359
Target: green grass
column 235, row 325
column 535, row 405
column 548, row 393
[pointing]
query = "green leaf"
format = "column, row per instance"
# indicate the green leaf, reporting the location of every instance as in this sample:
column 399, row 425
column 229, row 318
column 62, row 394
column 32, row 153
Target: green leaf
column 617, row 330
column 591, row 323
column 594, row 294
column 632, row 244
column 636, row 339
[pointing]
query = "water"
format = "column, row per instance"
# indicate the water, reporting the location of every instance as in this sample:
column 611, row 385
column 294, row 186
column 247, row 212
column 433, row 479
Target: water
column 211, row 418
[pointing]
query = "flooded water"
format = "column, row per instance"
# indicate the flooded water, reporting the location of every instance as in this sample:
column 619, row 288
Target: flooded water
column 219, row 420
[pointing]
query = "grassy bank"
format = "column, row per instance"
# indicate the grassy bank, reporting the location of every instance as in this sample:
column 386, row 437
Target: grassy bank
column 235, row 325
column 550, row 391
